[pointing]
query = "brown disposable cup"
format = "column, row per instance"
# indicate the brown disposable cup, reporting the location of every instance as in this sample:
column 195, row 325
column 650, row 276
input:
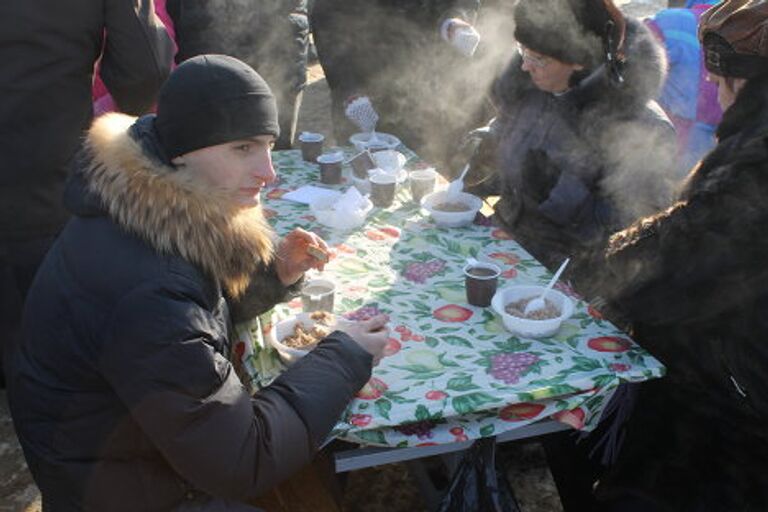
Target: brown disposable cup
column 318, row 295
column 311, row 146
column 382, row 189
column 422, row 182
column 330, row 168
column 481, row 281
column 362, row 163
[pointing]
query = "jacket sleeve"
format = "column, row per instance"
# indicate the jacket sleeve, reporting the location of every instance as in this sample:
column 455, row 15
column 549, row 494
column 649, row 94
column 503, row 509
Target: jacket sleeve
column 137, row 54
column 265, row 291
column 160, row 359
column 663, row 268
column 466, row 10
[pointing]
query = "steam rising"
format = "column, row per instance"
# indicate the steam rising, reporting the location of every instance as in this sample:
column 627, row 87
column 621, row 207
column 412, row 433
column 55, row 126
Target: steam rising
column 426, row 92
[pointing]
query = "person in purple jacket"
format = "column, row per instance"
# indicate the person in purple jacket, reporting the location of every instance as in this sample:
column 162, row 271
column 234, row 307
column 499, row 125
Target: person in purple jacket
column 688, row 98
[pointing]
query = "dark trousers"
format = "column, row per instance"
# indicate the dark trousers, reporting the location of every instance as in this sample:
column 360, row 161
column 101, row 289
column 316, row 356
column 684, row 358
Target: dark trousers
column 575, row 473
column 573, row 470
column 19, row 261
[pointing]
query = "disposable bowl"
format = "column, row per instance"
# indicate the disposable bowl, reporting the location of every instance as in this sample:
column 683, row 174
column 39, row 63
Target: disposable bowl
column 452, row 219
column 525, row 327
column 285, row 328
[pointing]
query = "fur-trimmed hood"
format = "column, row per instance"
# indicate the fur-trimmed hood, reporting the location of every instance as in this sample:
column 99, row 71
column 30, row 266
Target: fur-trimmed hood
column 166, row 209
column 644, row 73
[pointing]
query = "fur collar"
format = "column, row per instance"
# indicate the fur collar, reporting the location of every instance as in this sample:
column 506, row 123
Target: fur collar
column 170, row 212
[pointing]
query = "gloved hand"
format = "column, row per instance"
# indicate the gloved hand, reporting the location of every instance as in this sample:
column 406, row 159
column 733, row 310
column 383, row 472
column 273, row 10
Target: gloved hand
column 478, row 148
column 480, row 140
column 539, row 175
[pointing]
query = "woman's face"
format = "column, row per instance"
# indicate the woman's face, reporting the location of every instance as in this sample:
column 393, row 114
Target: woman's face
column 237, row 169
column 727, row 89
column 547, row 73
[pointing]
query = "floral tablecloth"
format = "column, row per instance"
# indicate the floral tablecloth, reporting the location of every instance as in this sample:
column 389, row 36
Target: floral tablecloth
column 452, row 372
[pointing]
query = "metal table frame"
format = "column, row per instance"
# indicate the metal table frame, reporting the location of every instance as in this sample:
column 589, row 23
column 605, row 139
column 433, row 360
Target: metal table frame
column 359, row 458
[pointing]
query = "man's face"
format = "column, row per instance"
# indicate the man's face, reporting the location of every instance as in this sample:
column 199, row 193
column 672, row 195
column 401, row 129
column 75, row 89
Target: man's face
column 237, row 169
column 547, row 73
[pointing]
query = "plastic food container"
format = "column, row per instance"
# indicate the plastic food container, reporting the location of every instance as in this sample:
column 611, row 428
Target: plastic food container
column 362, row 141
column 389, row 160
column 525, row 327
column 452, row 219
column 322, row 209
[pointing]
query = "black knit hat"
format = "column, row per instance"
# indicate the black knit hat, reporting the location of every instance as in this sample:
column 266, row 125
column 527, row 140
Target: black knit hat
column 573, row 31
column 210, row 100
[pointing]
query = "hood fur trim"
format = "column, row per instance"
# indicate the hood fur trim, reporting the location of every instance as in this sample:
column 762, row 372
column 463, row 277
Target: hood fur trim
column 172, row 213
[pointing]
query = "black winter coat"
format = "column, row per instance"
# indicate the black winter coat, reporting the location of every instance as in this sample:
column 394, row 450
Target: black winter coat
column 48, row 49
column 573, row 169
column 121, row 392
column 693, row 281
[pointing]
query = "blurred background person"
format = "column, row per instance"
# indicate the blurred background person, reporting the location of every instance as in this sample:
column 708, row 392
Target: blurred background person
column 402, row 55
column 270, row 36
column 688, row 98
column 103, row 102
column 49, row 49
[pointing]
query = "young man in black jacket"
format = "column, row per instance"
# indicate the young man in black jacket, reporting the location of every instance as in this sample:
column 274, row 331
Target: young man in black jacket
column 121, row 391
column 48, row 49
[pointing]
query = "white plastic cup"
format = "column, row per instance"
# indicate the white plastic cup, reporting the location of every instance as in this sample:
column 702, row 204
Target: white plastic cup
column 422, row 182
column 318, row 295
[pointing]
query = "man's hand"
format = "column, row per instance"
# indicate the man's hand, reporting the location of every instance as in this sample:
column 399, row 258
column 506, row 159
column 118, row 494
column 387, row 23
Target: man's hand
column 370, row 334
column 298, row 252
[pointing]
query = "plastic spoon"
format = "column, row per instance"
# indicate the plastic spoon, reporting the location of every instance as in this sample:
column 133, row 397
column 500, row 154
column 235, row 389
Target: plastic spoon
column 539, row 303
column 456, row 187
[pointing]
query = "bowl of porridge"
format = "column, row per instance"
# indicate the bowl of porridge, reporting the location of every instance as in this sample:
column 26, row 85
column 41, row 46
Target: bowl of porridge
column 295, row 337
column 454, row 211
column 509, row 303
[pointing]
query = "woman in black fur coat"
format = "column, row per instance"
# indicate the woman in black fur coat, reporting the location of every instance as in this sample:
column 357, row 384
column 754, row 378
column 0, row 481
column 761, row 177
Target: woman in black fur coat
column 693, row 282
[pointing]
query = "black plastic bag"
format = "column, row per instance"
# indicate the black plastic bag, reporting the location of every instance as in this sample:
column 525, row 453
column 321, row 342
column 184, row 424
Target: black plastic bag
column 477, row 485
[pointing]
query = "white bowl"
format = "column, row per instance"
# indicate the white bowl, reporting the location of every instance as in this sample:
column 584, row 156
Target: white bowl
column 389, row 160
column 285, row 328
column 364, row 186
column 452, row 219
column 322, row 209
column 525, row 327
column 362, row 141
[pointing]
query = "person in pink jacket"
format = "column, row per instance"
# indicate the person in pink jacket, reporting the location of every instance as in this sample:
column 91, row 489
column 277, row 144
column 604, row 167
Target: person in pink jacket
column 102, row 99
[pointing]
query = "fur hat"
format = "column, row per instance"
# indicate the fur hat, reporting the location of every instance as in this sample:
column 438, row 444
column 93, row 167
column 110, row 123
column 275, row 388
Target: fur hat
column 586, row 32
column 210, row 100
column 735, row 38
